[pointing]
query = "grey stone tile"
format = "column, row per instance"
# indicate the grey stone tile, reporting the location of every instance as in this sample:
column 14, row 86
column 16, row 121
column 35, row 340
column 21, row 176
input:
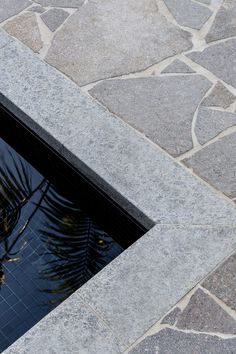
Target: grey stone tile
column 222, row 282
column 216, row 164
column 224, row 25
column 104, row 147
column 207, row 2
column 160, row 107
column 4, row 39
column 110, row 52
column 178, row 67
column 133, row 292
column 225, row 54
column 203, row 314
column 37, row 8
column 172, row 317
column 169, row 341
column 61, row 3
column 9, row 8
column 220, row 96
column 188, row 13
column 70, row 328
column 211, row 122
column 54, row 18
column 25, row 28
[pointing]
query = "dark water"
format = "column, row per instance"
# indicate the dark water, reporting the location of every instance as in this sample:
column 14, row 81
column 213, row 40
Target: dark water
column 49, row 246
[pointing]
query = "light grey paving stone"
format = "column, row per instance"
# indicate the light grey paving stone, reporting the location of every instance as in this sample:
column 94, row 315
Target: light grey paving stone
column 9, row 8
column 25, row 28
column 216, row 59
column 207, row 2
column 143, row 283
column 160, row 107
column 149, row 38
column 172, row 317
column 61, row 3
column 188, row 13
column 211, row 122
column 220, row 96
column 4, row 39
column 54, row 18
column 203, row 314
column 224, row 25
column 178, row 67
column 105, row 148
column 216, row 164
column 37, row 8
column 169, row 341
column 71, row 328
column 222, row 283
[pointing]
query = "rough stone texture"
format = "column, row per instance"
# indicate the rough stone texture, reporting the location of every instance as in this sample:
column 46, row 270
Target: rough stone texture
column 61, row 3
column 207, row 2
column 71, row 328
column 216, row 59
column 105, row 148
column 167, row 257
column 4, row 39
column 37, row 8
column 25, row 28
column 203, row 314
column 211, row 122
column 224, row 25
column 220, row 96
column 112, row 51
column 222, row 283
column 10, row 8
column 160, row 107
column 172, row 317
column 188, row 13
column 178, row 67
column 216, row 164
column 169, row 341
column 54, row 18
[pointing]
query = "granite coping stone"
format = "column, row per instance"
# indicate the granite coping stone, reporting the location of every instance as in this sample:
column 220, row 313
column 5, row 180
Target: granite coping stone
column 133, row 292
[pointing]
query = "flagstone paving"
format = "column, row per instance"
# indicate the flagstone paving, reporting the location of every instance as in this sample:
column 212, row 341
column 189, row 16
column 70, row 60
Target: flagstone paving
column 167, row 68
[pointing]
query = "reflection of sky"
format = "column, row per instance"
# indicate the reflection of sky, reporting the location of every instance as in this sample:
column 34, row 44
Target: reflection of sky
column 23, row 300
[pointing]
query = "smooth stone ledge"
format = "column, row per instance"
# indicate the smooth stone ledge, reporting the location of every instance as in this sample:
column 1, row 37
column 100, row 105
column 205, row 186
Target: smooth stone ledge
column 131, row 294
column 134, row 171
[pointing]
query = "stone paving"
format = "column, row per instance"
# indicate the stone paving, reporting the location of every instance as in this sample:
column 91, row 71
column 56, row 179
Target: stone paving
column 167, row 68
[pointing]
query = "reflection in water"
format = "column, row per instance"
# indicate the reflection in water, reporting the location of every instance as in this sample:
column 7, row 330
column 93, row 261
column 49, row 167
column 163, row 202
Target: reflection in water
column 49, row 247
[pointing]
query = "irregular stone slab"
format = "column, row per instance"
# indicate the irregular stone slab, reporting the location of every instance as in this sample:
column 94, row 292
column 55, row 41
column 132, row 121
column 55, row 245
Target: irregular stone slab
column 169, row 341
column 160, row 107
column 203, row 314
column 220, row 96
column 37, row 8
column 210, row 123
column 172, row 317
column 220, row 59
column 9, row 8
column 4, row 38
column 178, row 67
column 224, row 25
column 54, row 18
column 149, row 38
column 222, row 283
column 25, row 28
column 188, row 13
column 216, row 164
column 207, row 2
column 61, row 3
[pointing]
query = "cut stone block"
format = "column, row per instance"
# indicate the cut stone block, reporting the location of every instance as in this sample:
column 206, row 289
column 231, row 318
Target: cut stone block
column 169, row 341
column 211, row 122
column 160, row 107
column 54, row 18
column 203, row 314
column 25, row 28
column 222, row 283
column 37, row 8
column 178, row 67
column 220, row 59
column 216, row 164
column 61, row 3
column 172, row 317
column 9, row 8
column 109, row 38
column 188, row 13
column 220, row 96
